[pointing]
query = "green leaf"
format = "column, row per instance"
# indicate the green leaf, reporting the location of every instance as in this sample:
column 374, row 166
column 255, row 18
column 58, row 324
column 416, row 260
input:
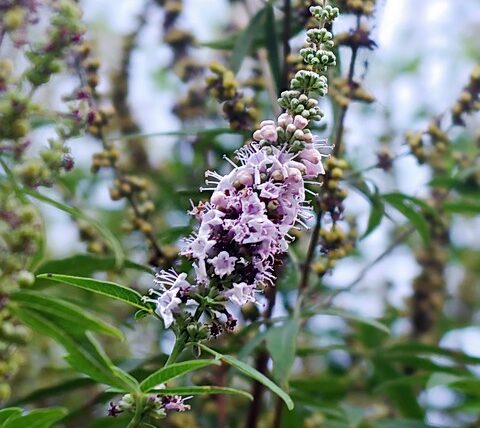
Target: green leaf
column 401, row 423
column 106, row 288
column 253, row 373
column 52, row 391
column 245, row 40
column 9, row 412
column 210, row 132
column 376, row 214
column 356, row 318
column 201, row 390
column 463, row 206
column 87, row 264
column 272, row 46
column 443, row 379
column 42, row 418
column 65, row 310
column 84, row 353
column 403, row 396
column 76, row 213
column 281, row 345
column 420, row 349
column 173, row 371
column 405, row 205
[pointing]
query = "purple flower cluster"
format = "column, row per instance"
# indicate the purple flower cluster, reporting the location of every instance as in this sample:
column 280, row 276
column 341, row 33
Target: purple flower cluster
column 244, row 228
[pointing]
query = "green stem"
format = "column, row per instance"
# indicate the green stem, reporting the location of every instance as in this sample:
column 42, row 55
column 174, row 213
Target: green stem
column 177, row 348
column 138, row 416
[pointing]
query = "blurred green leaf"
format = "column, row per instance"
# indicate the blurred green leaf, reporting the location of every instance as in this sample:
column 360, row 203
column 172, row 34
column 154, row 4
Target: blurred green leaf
column 355, row 318
column 10, row 412
column 407, row 206
column 377, row 211
column 41, row 418
column 84, row 354
column 76, row 213
column 401, row 423
column 272, row 46
column 87, row 264
column 253, row 373
column 245, row 40
column 65, row 310
column 105, row 288
column 463, row 206
column 419, row 349
column 210, row 133
column 281, row 345
column 52, row 391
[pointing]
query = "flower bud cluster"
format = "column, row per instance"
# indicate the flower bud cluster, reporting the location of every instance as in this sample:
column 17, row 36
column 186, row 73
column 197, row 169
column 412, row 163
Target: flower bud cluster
column 238, row 109
column 155, row 406
column 20, row 237
column 308, row 84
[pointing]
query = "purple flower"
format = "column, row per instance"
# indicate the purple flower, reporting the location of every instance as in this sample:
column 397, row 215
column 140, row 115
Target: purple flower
column 241, row 293
column 175, row 403
column 224, row 264
column 244, row 228
column 167, row 304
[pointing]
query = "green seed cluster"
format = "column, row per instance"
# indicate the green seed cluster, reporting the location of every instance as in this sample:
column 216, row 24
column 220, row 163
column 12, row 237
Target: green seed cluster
column 238, row 108
column 20, row 237
column 18, row 111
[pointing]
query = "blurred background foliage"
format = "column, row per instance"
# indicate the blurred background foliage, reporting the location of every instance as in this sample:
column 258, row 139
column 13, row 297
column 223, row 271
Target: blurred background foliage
column 388, row 335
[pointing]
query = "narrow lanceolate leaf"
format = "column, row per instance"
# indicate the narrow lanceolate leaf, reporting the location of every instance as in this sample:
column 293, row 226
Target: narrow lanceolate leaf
column 355, row 318
column 52, row 391
column 43, row 418
column 106, row 288
column 173, row 371
column 65, row 310
column 84, row 354
column 408, row 206
column 76, row 213
column 271, row 41
column 462, row 206
column 253, row 373
column 376, row 214
column 281, row 345
column 201, row 390
column 87, row 264
column 245, row 40
column 10, row 412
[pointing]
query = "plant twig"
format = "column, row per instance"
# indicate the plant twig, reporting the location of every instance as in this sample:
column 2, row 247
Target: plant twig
column 287, row 12
column 307, row 266
column 343, row 112
column 261, row 365
column 362, row 274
